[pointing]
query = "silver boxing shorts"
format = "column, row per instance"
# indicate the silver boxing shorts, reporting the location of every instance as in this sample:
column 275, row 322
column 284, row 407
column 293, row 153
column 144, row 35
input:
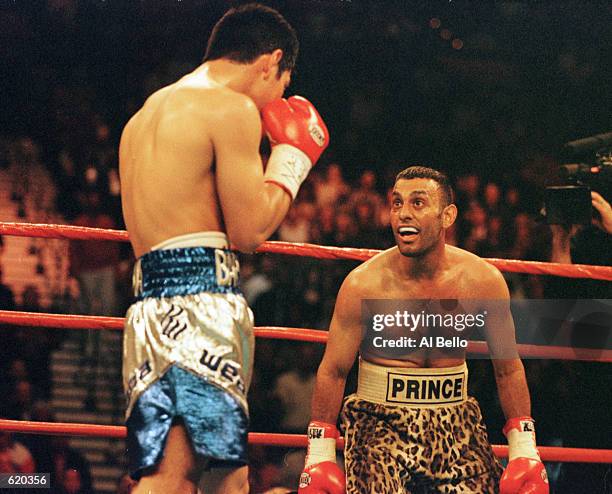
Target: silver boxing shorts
column 187, row 354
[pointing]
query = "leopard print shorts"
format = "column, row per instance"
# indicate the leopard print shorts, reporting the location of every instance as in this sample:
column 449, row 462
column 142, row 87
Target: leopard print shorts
column 408, row 450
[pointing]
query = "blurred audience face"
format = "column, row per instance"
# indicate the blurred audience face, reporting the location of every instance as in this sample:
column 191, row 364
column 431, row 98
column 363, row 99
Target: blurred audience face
column 492, row 195
column 469, row 185
column 365, row 214
column 18, row 370
column 307, row 211
column 102, row 132
column 334, row 173
column 513, row 197
column 23, row 393
column 522, row 226
column 367, row 180
column 5, row 440
column 344, row 223
column 72, row 481
column 327, row 218
column 476, row 215
column 494, row 226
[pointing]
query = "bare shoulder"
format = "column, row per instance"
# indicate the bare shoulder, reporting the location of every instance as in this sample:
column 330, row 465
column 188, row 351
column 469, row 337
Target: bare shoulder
column 486, row 280
column 195, row 103
column 231, row 104
column 367, row 278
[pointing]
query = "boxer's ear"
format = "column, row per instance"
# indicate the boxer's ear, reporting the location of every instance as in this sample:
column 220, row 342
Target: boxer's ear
column 449, row 215
column 270, row 62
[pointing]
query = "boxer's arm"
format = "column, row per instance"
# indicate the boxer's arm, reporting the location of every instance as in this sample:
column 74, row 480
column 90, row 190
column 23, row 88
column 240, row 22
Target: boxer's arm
column 252, row 209
column 340, row 352
column 500, row 334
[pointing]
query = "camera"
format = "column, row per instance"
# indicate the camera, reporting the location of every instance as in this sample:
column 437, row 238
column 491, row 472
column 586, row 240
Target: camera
column 588, row 167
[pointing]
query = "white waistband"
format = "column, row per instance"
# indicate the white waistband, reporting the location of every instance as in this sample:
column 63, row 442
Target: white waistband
column 412, row 386
column 217, row 240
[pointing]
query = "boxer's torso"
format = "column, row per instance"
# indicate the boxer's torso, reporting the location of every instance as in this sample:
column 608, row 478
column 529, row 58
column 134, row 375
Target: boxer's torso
column 458, row 281
column 167, row 163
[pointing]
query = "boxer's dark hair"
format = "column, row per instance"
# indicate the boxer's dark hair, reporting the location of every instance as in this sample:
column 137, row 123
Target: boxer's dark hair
column 247, row 32
column 424, row 172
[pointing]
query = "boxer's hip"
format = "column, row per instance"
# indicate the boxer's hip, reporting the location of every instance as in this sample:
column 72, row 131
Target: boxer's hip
column 421, row 420
column 189, row 312
column 412, row 386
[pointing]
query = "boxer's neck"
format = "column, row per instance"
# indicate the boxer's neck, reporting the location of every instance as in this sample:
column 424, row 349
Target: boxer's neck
column 426, row 266
column 235, row 76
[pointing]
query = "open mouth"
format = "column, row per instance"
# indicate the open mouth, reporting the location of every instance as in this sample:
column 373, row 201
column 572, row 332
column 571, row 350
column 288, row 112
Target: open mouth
column 407, row 232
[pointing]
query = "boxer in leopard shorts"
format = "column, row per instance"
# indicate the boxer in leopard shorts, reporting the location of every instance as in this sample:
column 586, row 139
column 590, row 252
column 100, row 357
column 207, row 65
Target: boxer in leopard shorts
column 411, row 428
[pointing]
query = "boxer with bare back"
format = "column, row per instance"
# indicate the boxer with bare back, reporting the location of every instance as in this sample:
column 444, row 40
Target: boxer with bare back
column 411, row 427
column 193, row 185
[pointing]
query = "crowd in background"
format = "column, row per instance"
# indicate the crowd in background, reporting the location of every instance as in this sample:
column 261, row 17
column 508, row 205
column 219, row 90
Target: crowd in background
column 495, row 220
column 488, row 115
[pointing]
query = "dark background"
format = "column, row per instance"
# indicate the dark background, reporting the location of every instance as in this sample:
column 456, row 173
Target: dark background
column 528, row 77
column 394, row 90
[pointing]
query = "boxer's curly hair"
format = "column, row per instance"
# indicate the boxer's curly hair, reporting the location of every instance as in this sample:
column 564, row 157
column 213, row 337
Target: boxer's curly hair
column 448, row 194
column 247, row 32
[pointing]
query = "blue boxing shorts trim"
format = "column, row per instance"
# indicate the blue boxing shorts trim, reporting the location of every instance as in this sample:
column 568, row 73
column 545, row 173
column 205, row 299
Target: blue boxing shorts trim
column 214, row 421
column 187, row 354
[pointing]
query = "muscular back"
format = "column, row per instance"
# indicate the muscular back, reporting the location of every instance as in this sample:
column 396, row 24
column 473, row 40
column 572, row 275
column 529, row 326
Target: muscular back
column 166, row 163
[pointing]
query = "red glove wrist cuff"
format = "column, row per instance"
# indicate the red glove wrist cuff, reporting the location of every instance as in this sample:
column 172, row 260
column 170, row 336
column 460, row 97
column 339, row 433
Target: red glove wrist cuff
column 522, row 424
column 322, row 438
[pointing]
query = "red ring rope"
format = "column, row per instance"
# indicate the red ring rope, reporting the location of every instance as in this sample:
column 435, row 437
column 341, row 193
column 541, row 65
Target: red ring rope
column 548, row 453
column 296, row 334
column 322, row 252
column 310, row 250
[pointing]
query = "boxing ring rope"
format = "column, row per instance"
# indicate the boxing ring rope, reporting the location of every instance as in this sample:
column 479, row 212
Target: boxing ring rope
column 70, row 232
column 61, row 321
column 65, row 321
column 548, row 453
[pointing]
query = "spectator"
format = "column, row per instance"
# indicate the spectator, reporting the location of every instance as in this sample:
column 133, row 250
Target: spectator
column 256, row 282
column 72, row 483
column 495, row 245
column 21, row 400
column 468, row 188
column 294, row 389
column 14, row 456
column 296, row 226
column 366, row 192
column 125, row 484
column 93, row 264
column 523, row 243
column 331, row 190
column 369, row 234
column 512, row 205
column 36, row 344
column 310, row 303
column 65, row 459
column 345, row 230
column 583, row 245
column 492, row 198
column 324, row 226
column 475, row 226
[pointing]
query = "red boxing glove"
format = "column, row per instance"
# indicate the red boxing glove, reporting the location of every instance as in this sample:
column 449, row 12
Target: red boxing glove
column 322, row 478
column 321, row 474
column 525, row 473
column 298, row 136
